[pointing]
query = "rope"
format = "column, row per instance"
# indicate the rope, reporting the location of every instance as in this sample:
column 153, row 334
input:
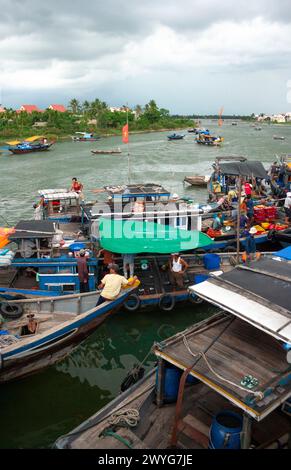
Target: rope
column 118, row 437
column 202, row 355
column 129, row 417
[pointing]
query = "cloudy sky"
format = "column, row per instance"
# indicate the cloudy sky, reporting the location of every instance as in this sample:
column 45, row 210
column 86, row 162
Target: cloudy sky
column 190, row 56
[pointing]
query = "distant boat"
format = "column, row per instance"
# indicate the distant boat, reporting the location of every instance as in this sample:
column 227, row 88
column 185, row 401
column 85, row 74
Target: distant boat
column 176, row 136
column 209, row 140
column 85, row 137
column 197, row 180
column 258, row 128
column 30, row 145
column 278, row 137
column 234, row 123
column 106, row 152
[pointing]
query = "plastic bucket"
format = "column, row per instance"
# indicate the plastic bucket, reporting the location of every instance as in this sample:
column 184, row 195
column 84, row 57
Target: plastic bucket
column 200, row 278
column 225, row 431
column 211, row 261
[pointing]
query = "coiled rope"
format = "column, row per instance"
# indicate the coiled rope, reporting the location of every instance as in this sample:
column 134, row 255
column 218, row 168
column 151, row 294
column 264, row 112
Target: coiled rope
column 202, row 355
column 129, row 417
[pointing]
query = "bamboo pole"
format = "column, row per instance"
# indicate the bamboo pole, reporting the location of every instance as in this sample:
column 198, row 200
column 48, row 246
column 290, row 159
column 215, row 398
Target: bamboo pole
column 238, row 217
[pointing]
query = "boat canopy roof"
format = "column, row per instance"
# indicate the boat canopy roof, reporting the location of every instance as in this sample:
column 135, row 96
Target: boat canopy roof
column 137, row 190
column 247, row 168
column 233, row 158
column 13, row 142
column 258, row 294
column 34, row 138
column 33, row 229
column 57, row 194
column 131, row 236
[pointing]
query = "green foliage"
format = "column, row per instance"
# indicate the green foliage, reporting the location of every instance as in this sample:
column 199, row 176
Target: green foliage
column 92, row 116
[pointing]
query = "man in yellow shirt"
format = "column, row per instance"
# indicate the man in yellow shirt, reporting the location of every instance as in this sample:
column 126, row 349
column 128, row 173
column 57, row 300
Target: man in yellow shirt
column 112, row 283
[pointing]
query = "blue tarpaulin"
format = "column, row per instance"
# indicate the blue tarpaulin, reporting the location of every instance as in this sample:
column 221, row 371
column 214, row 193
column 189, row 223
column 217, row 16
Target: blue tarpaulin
column 285, row 253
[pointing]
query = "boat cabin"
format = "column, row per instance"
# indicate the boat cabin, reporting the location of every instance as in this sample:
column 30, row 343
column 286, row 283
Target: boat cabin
column 41, row 263
column 144, row 202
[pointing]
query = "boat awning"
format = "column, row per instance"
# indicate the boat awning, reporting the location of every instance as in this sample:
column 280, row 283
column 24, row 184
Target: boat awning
column 131, row 236
column 248, row 169
column 57, row 194
column 34, row 138
column 33, row 229
column 258, row 294
column 13, row 142
column 222, row 351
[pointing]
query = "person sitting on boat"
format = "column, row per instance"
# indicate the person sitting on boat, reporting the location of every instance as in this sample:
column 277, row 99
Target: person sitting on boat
column 217, row 222
column 243, row 221
column 31, row 327
column 128, row 262
column 231, row 196
column 251, row 244
column 178, row 267
column 77, row 187
column 112, row 283
column 287, row 208
column 273, row 170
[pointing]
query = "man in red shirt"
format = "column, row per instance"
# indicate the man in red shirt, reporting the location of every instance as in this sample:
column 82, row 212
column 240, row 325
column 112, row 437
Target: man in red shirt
column 77, row 187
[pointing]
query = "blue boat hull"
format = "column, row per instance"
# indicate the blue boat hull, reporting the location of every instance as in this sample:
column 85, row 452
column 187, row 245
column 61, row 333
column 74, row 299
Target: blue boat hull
column 46, row 349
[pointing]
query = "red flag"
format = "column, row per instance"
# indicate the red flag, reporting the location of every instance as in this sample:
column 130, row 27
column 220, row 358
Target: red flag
column 125, row 134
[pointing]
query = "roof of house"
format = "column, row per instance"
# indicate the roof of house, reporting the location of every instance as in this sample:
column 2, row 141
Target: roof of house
column 29, row 108
column 58, row 107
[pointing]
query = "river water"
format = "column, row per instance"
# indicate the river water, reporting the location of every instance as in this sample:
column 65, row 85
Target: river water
column 38, row 409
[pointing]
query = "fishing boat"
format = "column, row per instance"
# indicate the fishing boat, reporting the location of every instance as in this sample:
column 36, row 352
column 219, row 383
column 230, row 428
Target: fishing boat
column 29, row 145
column 106, row 152
column 85, row 137
column 197, row 180
column 278, row 137
column 176, row 136
column 282, row 236
column 62, row 323
column 257, row 128
column 223, row 383
column 211, row 140
column 39, row 261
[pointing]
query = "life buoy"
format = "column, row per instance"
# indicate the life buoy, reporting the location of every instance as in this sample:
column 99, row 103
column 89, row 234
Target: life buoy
column 194, row 299
column 132, row 303
column 11, row 311
column 167, row 302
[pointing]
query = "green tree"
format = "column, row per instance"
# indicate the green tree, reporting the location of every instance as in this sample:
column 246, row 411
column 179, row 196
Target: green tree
column 74, row 105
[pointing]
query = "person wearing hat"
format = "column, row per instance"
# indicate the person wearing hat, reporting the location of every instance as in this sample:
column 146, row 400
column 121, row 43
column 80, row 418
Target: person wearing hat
column 287, row 208
column 112, row 283
column 83, row 273
column 31, row 327
column 178, row 267
column 251, row 244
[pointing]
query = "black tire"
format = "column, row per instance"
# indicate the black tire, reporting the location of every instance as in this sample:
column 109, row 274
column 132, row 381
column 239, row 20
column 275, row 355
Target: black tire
column 194, row 299
column 200, row 251
column 11, row 311
column 163, row 302
column 132, row 303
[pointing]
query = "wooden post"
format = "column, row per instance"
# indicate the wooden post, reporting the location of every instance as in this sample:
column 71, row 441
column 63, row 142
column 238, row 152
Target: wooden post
column 160, row 384
column 246, row 432
column 238, row 217
column 37, row 247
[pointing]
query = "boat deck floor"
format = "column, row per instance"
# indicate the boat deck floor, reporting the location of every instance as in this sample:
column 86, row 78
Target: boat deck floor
column 155, row 427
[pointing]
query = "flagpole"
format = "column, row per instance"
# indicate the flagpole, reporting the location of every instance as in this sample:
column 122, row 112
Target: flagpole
column 128, row 155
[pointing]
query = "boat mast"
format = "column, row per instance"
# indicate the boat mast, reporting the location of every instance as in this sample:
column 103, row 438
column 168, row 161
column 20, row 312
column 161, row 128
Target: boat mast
column 238, row 217
column 128, row 155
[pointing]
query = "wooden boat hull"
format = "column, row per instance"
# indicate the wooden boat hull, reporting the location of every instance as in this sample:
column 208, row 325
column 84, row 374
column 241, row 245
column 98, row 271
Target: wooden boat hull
column 45, row 350
column 80, row 139
column 196, row 180
column 105, row 152
column 32, row 150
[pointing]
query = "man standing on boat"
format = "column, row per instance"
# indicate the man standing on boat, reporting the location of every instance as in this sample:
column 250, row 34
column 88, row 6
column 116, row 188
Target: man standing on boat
column 178, row 267
column 287, row 208
column 83, row 272
column 251, row 245
column 77, row 187
column 112, row 284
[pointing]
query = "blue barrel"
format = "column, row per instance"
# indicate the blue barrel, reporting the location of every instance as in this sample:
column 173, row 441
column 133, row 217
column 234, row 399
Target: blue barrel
column 225, row 431
column 77, row 246
column 192, row 380
column 211, row 261
column 171, row 383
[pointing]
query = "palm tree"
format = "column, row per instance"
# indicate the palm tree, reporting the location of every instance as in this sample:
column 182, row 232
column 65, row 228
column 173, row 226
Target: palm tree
column 138, row 110
column 74, row 105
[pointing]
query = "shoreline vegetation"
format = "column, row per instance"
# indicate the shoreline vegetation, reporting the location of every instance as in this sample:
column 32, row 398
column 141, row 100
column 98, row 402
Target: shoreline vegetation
column 92, row 117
